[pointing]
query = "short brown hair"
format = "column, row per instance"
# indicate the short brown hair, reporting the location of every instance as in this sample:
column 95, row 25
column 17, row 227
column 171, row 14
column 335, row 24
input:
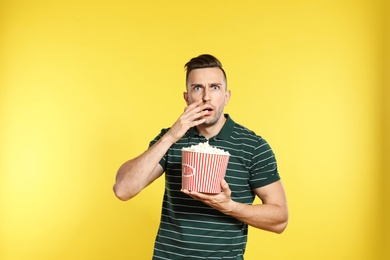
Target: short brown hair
column 201, row 62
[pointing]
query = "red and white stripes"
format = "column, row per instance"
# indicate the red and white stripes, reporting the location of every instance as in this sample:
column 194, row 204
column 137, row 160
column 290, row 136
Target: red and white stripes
column 203, row 172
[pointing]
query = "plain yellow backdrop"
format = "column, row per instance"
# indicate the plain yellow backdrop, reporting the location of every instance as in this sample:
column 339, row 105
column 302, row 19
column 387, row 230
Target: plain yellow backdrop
column 85, row 85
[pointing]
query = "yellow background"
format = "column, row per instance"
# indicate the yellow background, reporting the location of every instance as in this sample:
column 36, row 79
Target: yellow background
column 85, row 85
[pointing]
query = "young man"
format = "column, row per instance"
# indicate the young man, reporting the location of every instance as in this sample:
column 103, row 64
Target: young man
column 203, row 226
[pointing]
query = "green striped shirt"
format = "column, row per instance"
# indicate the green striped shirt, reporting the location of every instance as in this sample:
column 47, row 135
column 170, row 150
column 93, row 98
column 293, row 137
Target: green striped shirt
column 190, row 229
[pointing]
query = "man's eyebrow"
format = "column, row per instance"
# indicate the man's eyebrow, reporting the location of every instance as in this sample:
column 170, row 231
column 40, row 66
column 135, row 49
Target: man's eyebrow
column 211, row 84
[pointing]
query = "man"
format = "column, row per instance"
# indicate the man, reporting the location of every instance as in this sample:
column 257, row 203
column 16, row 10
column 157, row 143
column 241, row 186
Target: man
column 208, row 226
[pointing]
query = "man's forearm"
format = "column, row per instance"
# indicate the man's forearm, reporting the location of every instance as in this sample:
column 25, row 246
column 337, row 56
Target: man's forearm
column 263, row 216
column 272, row 215
column 137, row 173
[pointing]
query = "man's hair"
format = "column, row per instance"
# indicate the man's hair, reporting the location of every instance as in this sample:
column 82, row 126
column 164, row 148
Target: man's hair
column 201, row 62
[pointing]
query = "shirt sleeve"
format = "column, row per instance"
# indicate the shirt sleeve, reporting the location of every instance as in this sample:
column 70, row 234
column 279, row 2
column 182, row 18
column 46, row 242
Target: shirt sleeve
column 163, row 160
column 263, row 170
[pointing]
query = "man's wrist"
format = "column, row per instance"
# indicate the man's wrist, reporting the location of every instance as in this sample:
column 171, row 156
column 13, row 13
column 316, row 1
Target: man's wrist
column 231, row 208
column 168, row 139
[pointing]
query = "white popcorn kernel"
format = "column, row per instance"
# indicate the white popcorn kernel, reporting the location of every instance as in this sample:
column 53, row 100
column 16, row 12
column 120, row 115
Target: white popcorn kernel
column 205, row 148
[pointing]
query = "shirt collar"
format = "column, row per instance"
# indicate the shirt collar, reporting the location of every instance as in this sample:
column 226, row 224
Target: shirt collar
column 225, row 133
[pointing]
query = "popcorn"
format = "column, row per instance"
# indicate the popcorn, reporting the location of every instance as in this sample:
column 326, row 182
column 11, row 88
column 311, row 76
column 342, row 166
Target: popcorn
column 203, row 168
column 205, row 148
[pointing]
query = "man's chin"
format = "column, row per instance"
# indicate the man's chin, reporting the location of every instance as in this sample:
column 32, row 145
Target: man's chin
column 209, row 122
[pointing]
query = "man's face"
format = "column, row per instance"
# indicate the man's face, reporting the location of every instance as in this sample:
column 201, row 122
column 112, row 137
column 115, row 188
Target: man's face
column 208, row 85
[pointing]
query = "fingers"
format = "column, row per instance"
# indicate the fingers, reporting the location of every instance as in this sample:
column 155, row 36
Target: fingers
column 192, row 116
column 196, row 106
column 195, row 195
column 195, row 110
column 193, row 113
column 193, row 105
column 225, row 188
column 224, row 185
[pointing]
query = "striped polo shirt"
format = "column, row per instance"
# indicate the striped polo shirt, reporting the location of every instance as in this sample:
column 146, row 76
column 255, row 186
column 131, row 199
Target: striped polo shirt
column 189, row 229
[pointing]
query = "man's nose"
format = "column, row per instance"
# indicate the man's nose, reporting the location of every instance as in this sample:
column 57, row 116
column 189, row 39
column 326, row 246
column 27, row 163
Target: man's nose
column 206, row 95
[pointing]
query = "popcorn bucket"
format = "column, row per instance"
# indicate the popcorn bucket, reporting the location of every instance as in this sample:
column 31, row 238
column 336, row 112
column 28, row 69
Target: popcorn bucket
column 203, row 172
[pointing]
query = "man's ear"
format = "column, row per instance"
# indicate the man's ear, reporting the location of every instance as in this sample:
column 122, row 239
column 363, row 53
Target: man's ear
column 227, row 97
column 185, row 96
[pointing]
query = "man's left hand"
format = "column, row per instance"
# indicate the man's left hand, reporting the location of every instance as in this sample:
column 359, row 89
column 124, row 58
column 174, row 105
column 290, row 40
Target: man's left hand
column 221, row 201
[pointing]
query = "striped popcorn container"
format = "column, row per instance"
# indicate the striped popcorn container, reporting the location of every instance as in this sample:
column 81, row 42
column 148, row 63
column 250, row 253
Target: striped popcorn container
column 203, row 172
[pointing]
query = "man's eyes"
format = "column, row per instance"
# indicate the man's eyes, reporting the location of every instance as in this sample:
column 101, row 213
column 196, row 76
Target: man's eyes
column 214, row 87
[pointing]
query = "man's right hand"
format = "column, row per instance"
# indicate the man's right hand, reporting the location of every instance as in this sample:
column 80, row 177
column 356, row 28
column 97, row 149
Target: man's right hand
column 191, row 117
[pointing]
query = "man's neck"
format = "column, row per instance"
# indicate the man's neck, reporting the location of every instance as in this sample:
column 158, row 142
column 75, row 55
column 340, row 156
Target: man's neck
column 211, row 131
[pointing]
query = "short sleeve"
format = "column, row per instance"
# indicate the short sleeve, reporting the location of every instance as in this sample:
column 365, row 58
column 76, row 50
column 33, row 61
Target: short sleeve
column 163, row 160
column 263, row 170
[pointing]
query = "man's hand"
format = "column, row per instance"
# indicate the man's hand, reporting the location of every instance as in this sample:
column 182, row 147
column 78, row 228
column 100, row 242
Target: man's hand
column 190, row 118
column 221, row 201
column 271, row 215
